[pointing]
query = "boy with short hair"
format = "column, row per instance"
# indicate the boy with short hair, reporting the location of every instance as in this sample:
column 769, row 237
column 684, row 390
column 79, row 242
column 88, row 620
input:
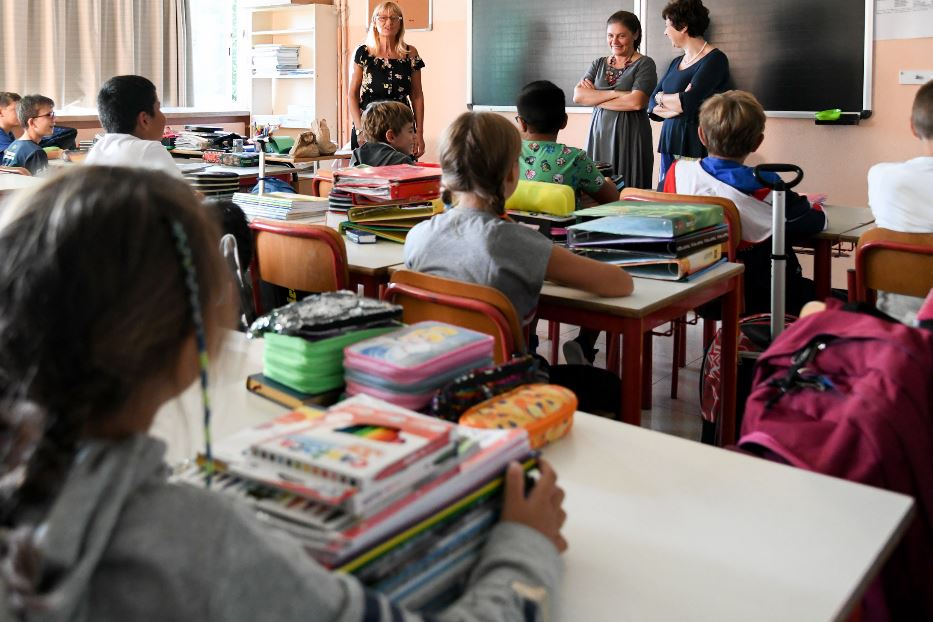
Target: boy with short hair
column 732, row 127
column 390, row 135
column 36, row 115
column 899, row 195
column 8, row 118
column 541, row 117
column 130, row 112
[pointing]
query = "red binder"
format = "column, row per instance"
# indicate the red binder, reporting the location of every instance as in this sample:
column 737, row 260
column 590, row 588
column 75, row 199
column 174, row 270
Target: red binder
column 399, row 181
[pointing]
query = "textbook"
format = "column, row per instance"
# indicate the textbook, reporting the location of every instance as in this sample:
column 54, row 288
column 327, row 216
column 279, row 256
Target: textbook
column 399, row 181
column 404, row 213
column 288, row 397
column 650, row 219
column 679, row 246
column 654, row 267
column 386, row 232
column 280, row 205
column 356, row 442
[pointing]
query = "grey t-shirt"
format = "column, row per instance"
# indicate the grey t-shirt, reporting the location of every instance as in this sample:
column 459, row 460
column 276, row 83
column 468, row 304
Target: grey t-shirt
column 479, row 247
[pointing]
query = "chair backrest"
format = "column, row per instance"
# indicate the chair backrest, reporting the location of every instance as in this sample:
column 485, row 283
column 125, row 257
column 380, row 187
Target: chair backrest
column 891, row 261
column 477, row 307
column 542, row 197
column 322, row 183
column 15, row 170
column 730, row 211
column 307, row 258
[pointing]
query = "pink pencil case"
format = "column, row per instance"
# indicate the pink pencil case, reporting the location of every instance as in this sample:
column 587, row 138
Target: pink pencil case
column 405, row 400
column 415, row 353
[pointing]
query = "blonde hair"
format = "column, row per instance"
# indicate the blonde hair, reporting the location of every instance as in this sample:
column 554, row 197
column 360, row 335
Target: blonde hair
column 732, row 123
column 372, row 41
column 476, row 154
column 380, row 117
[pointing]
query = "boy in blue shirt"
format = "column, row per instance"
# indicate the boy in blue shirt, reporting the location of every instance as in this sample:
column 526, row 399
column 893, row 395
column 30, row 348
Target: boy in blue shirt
column 8, row 119
column 541, row 116
column 37, row 116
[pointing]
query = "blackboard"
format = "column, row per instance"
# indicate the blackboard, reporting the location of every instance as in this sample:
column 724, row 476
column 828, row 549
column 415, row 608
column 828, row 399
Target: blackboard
column 795, row 56
column 517, row 41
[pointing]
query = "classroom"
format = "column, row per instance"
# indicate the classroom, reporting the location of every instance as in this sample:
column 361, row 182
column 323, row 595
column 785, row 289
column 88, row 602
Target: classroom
column 466, row 310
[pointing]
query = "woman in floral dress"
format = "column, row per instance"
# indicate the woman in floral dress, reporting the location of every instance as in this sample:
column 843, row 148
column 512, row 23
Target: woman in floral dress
column 386, row 68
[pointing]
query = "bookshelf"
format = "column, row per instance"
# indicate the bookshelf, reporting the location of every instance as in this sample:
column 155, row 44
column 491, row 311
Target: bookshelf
column 291, row 99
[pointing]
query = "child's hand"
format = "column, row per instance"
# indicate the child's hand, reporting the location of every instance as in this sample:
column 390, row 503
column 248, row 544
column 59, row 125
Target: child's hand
column 541, row 510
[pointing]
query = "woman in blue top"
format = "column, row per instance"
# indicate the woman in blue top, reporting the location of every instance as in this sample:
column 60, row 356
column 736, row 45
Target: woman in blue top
column 702, row 71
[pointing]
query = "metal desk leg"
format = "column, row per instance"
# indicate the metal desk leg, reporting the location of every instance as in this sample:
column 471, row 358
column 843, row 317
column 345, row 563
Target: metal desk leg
column 822, row 267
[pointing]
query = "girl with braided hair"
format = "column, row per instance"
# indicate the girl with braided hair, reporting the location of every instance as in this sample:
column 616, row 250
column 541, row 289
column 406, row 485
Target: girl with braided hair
column 112, row 296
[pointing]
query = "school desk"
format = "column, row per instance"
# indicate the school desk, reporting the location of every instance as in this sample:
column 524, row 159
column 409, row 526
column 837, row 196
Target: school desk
column 652, row 304
column 369, row 264
column 659, row 528
column 10, row 182
column 312, row 163
column 841, row 221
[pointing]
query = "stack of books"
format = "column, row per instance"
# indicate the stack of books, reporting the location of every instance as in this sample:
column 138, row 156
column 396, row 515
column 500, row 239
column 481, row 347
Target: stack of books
column 304, row 344
column 408, row 366
column 403, row 501
column 386, row 201
column 220, row 184
column 668, row 241
column 272, row 59
column 280, row 205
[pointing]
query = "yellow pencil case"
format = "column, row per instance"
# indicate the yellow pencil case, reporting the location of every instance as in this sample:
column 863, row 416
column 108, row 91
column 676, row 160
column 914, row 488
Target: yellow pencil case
column 543, row 198
column 544, row 410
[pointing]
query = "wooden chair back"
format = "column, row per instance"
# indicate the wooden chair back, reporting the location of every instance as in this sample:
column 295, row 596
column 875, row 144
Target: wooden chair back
column 477, row 307
column 322, row 183
column 15, row 170
column 730, row 211
column 307, row 258
column 891, row 261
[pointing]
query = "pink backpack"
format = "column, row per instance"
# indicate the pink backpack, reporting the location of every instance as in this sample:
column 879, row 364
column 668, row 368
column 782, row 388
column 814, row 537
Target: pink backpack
column 850, row 395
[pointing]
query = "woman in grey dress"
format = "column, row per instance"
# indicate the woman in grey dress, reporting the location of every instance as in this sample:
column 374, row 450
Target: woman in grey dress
column 617, row 86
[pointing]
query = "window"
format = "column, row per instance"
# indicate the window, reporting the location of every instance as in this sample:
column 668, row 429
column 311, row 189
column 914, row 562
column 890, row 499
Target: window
column 214, row 52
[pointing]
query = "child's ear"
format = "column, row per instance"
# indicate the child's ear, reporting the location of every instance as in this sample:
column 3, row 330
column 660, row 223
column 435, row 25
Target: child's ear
column 702, row 136
column 142, row 120
column 391, row 136
column 564, row 124
column 913, row 130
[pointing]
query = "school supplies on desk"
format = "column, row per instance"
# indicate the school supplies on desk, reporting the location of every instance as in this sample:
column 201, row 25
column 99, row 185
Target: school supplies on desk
column 279, row 205
column 398, row 181
column 542, row 198
column 319, row 316
column 657, row 267
column 288, row 397
column 545, row 411
column 406, row 367
column 642, row 218
column 679, row 246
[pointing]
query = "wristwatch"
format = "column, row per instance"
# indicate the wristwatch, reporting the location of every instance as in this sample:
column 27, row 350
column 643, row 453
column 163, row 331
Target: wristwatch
column 657, row 98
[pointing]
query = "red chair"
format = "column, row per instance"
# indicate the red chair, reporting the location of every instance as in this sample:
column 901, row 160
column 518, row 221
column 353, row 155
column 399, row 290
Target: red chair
column 891, row 261
column 306, row 258
column 477, row 307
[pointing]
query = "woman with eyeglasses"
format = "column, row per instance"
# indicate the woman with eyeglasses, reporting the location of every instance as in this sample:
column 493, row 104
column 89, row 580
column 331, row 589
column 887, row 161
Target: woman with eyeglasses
column 386, row 68
column 617, row 87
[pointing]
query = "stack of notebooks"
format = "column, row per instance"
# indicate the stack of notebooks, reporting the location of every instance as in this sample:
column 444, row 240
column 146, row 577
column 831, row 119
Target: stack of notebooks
column 386, row 201
column 304, row 344
column 201, row 137
column 669, row 241
column 280, row 205
column 403, row 501
column 408, row 366
column 272, row 59
column 214, row 184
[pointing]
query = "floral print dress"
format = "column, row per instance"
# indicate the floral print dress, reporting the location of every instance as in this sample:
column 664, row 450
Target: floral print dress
column 385, row 78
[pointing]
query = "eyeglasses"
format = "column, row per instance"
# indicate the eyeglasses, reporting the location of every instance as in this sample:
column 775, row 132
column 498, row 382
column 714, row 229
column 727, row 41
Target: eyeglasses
column 518, row 119
column 50, row 115
column 382, row 19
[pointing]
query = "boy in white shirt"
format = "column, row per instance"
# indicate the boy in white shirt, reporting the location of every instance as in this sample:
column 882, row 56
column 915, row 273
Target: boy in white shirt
column 899, row 194
column 129, row 110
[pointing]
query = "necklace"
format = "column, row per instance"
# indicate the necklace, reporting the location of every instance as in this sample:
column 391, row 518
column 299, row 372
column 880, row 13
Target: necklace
column 612, row 73
column 686, row 63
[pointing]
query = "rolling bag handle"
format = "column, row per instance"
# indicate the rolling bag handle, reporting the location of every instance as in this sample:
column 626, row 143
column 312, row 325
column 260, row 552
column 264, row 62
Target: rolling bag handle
column 778, row 258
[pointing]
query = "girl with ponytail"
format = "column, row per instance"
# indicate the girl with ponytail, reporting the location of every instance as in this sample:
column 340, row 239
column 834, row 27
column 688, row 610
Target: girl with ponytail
column 475, row 241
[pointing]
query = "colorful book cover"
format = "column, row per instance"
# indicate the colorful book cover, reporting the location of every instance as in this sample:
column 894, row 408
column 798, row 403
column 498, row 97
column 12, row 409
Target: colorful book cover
column 393, row 234
column 357, row 442
column 387, row 174
column 397, row 212
column 648, row 218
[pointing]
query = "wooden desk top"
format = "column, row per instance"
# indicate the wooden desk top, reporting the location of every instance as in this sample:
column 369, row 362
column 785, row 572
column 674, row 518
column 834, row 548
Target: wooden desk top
column 194, row 153
column 376, row 258
column 853, row 235
column 659, row 528
column 649, row 295
column 11, row 181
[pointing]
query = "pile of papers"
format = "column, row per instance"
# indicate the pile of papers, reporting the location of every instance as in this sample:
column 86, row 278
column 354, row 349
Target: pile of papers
column 386, row 201
column 280, row 205
column 668, row 241
column 401, row 500
column 272, row 59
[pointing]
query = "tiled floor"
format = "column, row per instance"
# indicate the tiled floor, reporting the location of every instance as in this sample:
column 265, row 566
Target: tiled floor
column 673, row 416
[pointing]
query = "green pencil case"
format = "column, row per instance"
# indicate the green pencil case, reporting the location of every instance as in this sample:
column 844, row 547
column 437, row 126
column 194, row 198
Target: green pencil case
column 311, row 366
